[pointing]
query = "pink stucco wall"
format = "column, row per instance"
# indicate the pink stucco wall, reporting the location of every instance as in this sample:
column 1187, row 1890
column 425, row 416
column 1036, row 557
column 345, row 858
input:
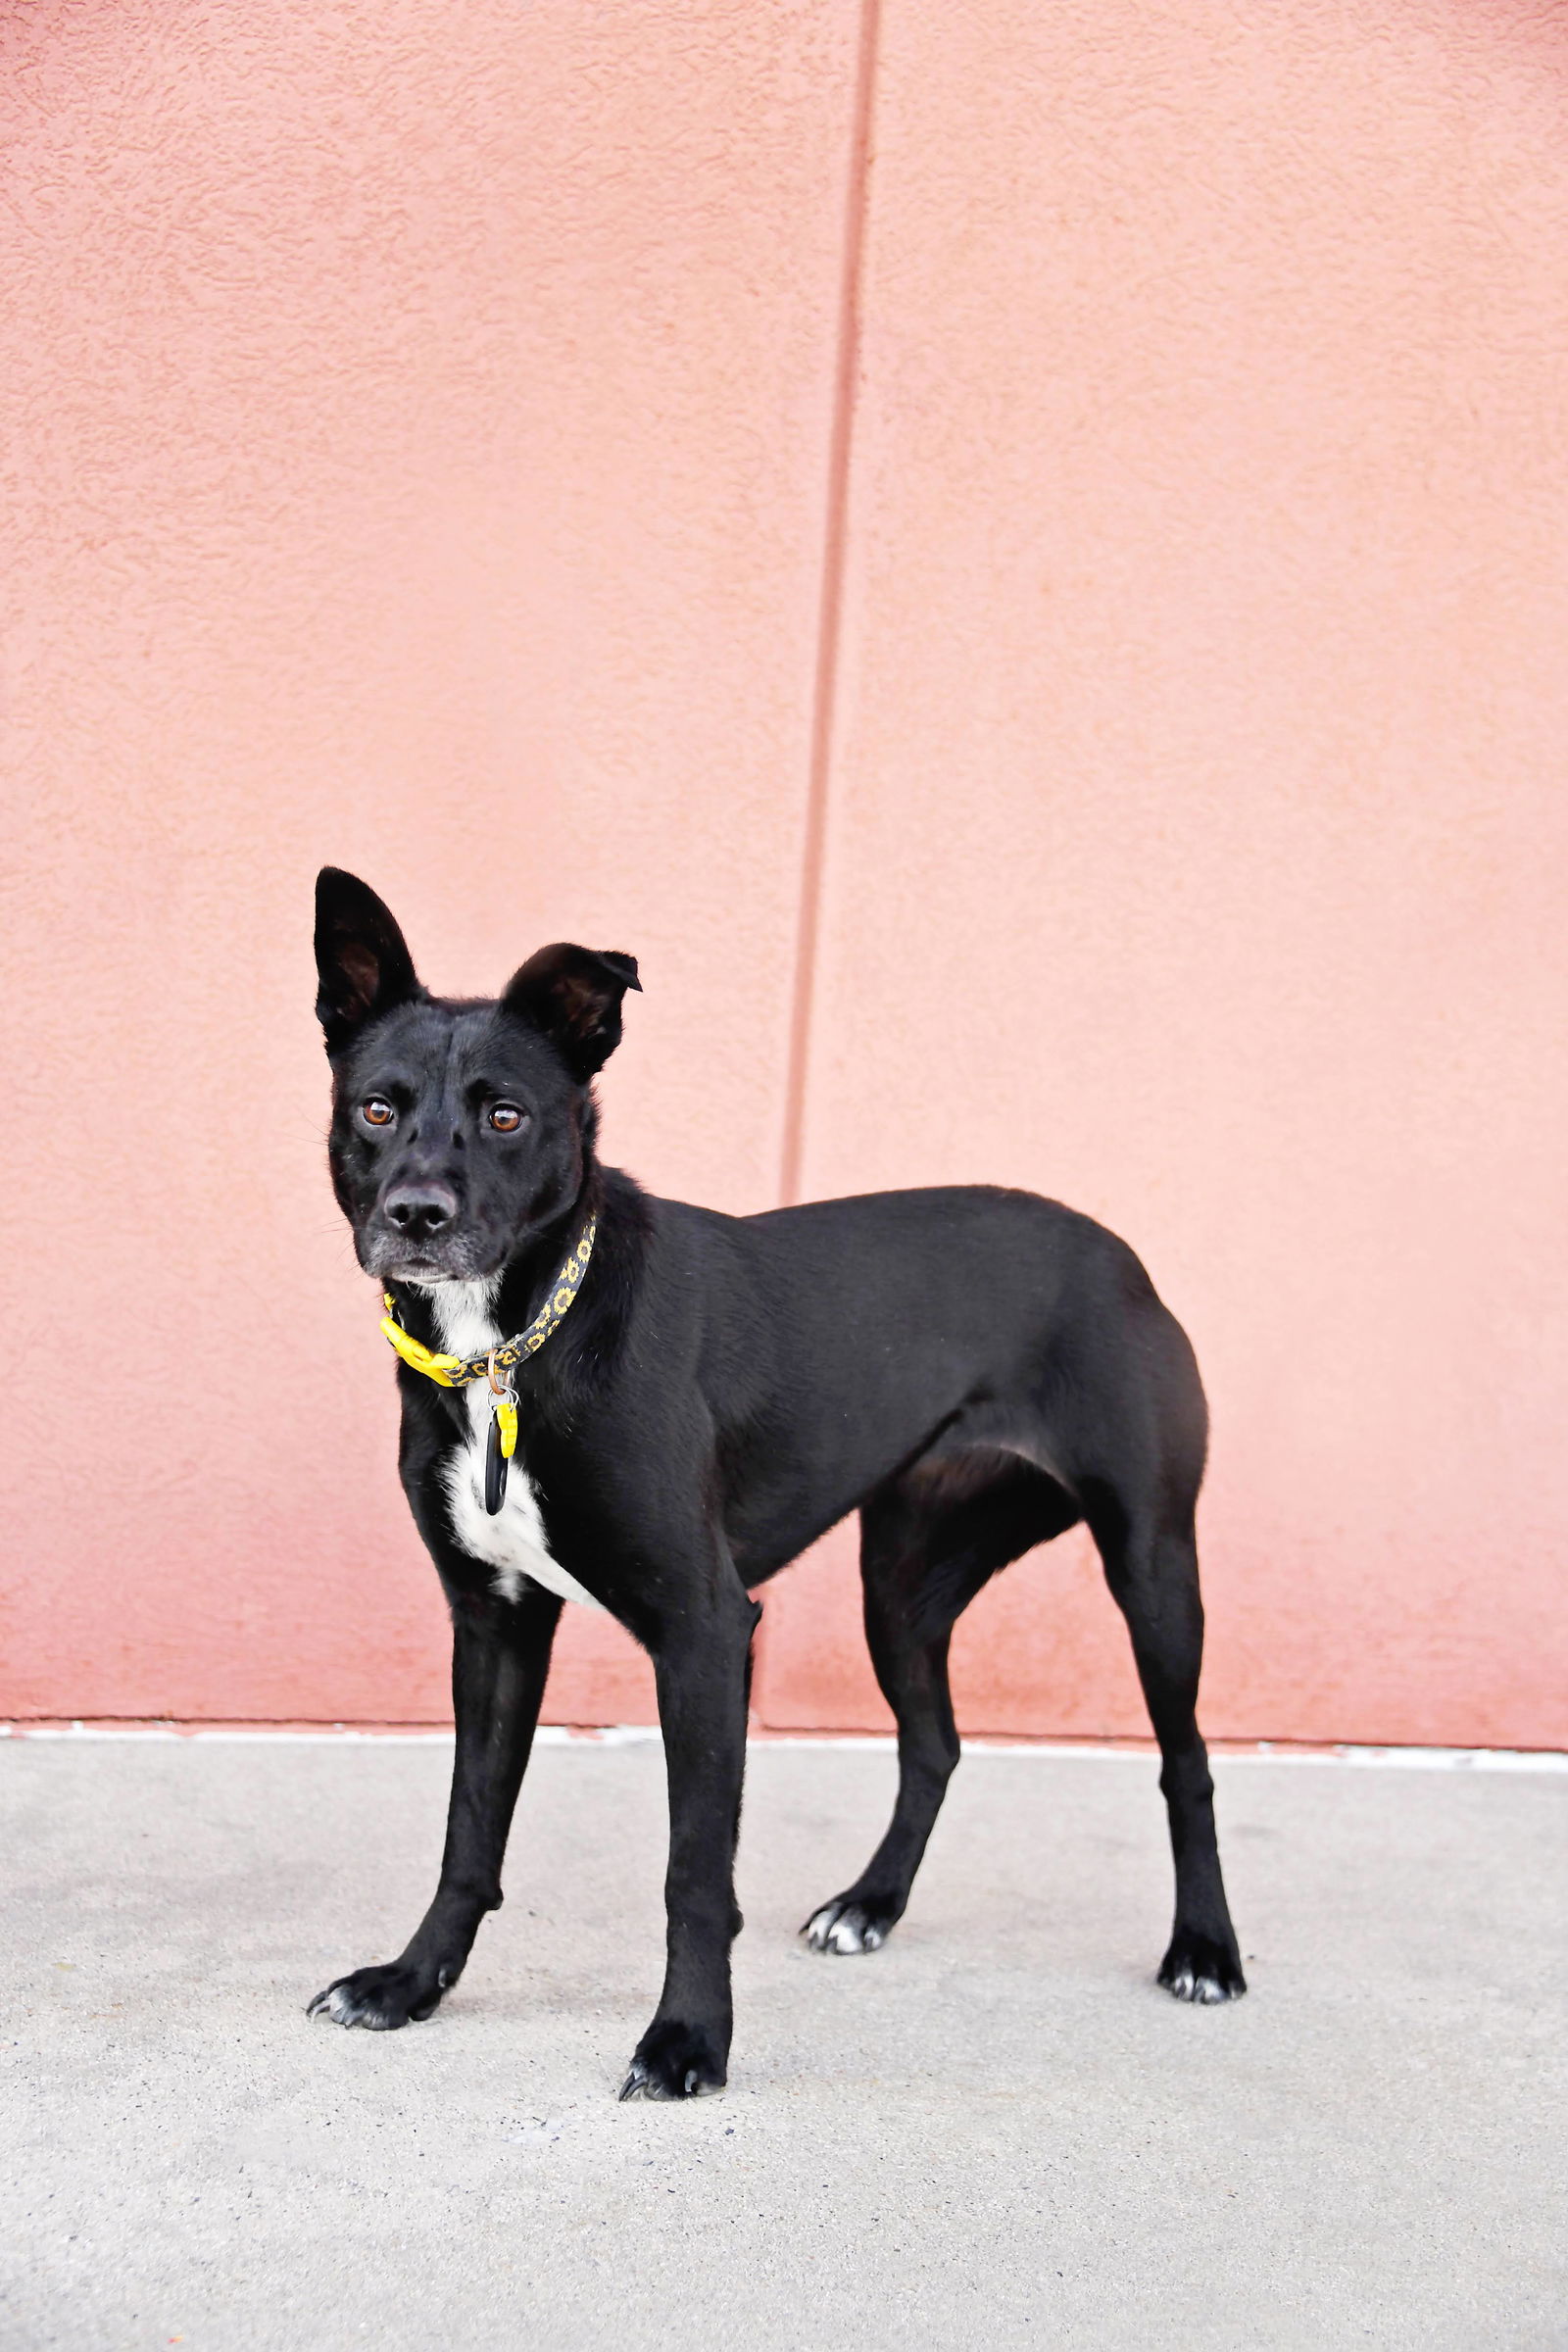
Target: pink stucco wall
column 1015, row 557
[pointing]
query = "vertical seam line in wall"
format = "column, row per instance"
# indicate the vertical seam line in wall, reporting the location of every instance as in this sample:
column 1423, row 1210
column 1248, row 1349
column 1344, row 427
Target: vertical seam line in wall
column 830, row 606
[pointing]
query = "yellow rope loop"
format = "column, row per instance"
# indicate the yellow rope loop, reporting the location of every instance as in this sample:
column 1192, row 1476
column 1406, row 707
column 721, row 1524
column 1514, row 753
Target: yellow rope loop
column 440, row 1368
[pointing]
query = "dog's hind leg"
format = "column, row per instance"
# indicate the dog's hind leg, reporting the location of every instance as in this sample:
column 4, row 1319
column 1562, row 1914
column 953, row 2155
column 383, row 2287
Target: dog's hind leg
column 1151, row 1564
column 928, row 1542
column 913, row 1678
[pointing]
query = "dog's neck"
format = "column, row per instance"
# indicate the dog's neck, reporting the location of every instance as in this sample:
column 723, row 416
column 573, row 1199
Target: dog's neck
column 465, row 1317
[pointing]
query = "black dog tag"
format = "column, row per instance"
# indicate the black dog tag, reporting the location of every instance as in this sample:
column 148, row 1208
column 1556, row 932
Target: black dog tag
column 495, row 1468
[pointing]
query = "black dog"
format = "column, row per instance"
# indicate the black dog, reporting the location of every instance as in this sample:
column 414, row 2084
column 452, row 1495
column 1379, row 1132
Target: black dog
column 657, row 1408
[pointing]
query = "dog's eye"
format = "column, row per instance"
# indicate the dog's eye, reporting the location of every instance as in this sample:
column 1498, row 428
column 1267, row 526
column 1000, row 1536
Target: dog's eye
column 377, row 1113
column 506, row 1118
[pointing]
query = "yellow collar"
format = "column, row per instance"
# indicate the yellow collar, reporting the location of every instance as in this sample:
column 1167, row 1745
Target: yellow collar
column 457, row 1371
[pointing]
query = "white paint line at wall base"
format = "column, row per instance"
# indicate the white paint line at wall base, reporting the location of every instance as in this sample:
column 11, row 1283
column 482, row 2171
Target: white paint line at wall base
column 635, row 1735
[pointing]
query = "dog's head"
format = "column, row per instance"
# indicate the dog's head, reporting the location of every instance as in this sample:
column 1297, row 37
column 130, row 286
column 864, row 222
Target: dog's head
column 459, row 1130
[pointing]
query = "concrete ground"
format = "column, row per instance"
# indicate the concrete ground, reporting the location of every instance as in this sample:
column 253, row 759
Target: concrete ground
column 994, row 2132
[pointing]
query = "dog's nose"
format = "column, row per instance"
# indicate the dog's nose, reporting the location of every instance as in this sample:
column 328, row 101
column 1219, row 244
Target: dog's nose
column 420, row 1209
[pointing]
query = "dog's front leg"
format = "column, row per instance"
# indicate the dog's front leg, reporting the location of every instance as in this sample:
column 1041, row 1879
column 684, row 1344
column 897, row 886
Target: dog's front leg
column 500, row 1658
column 701, row 1670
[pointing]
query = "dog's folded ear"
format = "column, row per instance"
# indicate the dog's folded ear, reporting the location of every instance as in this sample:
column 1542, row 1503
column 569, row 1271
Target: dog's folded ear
column 361, row 961
column 573, row 997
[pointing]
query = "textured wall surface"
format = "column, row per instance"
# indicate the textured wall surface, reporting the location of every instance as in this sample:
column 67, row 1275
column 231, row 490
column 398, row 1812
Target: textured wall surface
column 417, row 419
column 1196, row 841
column 424, row 428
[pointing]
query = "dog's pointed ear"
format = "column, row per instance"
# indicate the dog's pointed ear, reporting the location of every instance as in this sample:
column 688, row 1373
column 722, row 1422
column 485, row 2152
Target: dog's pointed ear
column 361, row 961
column 573, row 997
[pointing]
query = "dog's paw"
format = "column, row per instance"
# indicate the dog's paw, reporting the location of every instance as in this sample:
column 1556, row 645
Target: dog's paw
column 1197, row 1968
column 843, row 1926
column 382, row 1998
column 674, row 2062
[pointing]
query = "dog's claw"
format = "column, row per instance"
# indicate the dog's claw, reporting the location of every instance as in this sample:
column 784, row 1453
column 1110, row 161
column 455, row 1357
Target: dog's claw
column 380, row 1998
column 844, row 1927
column 641, row 2084
column 674, row 2062
column 1200, row 1970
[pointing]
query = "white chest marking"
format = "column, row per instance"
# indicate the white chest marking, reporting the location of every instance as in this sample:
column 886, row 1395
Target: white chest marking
column 513, row 1543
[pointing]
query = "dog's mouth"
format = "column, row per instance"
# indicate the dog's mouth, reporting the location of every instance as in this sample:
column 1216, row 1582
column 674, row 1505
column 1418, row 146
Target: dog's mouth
column 389, row 1259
